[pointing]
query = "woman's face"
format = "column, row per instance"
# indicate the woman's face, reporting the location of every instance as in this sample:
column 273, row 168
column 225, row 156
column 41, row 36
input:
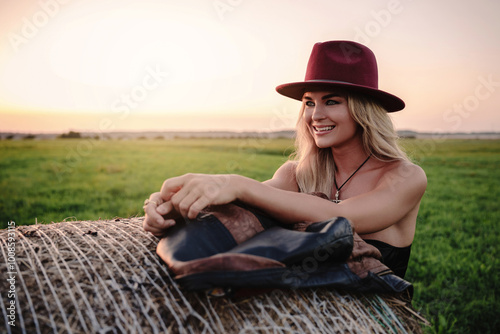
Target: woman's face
column 328, row 119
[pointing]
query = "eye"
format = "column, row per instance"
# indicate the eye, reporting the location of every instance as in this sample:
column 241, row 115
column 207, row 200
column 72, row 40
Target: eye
column 310, row 103
column 332, row 102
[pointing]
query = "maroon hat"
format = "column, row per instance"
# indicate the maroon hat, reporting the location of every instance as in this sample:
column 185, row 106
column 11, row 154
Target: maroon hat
column 346, row 65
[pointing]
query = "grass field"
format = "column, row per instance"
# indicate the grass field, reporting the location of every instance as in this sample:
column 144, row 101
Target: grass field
column 454, row 264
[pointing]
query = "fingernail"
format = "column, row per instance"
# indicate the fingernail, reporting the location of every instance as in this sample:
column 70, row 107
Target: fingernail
column 161, row 210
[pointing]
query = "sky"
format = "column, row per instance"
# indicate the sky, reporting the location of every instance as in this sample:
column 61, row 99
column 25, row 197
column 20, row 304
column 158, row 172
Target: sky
column 113, row 65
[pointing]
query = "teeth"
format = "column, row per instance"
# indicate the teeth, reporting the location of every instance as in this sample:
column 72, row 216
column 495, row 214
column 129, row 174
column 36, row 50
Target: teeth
column 326, row 128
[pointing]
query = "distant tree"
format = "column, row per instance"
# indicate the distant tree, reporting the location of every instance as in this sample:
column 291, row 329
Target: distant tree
column 71, row 135
column 29, row 137
column 9, row 137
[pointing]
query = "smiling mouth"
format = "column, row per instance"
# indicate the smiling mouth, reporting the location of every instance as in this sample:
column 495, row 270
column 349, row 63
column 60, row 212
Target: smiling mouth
column 323, row 128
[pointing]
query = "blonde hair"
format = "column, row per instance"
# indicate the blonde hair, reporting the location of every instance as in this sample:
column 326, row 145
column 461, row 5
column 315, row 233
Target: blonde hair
column 315, row 166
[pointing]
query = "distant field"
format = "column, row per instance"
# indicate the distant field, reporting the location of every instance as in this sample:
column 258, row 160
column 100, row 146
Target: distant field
column 455, row 259
column 55, row 180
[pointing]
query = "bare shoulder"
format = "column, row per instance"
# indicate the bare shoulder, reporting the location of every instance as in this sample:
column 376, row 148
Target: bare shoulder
column 288, row 167
column 405, row 174
column 284, row 178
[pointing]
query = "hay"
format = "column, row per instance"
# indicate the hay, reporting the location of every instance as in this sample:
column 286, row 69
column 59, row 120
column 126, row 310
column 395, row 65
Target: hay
column 104, row 277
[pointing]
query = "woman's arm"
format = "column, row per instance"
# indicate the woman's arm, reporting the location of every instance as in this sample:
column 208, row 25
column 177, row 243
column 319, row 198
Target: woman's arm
column 284, row 177
column 191, row 193
column 161, row 214
column 393, row 198
column 397, row 194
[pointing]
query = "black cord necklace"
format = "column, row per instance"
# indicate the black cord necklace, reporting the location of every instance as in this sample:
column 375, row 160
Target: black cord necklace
column 336, row 200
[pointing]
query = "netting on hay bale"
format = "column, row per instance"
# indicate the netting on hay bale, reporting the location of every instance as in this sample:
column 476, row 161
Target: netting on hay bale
column 105, row 277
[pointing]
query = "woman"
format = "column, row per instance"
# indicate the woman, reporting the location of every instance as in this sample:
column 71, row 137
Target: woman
column 346, row 149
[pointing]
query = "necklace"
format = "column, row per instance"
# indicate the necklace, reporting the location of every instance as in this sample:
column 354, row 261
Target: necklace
column 336, row 200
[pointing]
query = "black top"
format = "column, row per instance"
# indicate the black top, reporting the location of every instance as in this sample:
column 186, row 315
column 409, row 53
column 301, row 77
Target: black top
column 396, row 258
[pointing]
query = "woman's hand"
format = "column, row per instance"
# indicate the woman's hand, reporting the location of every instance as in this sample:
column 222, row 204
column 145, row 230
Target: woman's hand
column 160, row 215
column 191, row 193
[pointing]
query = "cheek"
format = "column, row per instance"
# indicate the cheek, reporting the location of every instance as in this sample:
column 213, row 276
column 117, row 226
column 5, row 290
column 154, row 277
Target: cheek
column 307, row 115
column 347, row 119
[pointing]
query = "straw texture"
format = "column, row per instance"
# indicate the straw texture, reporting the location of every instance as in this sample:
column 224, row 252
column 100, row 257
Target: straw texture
column 105, row 277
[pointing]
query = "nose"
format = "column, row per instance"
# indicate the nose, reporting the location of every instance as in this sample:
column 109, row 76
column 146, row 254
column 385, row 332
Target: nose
column 318, row 113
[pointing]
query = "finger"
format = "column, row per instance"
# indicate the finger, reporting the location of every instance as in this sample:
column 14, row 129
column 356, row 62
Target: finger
column 153, row 201
column 167, row 210
column 183, row 200
column 149, row 226
column 152, row 214
column 156, row 197
column 153, row 219
column 159, row 230
column 151, row 222
column 197, row 206
column 172, row 186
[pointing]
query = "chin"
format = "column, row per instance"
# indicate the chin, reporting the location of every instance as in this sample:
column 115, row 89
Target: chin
column 323, row 144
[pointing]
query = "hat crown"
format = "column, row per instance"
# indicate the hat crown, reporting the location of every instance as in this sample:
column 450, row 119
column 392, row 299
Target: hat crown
column 346, row 66
column 343, row 61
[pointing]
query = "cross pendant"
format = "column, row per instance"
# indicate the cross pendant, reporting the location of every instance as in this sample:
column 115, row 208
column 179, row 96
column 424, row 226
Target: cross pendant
column 336, row 200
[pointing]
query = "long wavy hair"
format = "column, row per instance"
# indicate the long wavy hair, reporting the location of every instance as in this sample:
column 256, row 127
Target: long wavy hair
column 315, row 166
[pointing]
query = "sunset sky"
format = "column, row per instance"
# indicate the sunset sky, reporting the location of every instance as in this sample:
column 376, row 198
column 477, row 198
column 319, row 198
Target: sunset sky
column 94, row 65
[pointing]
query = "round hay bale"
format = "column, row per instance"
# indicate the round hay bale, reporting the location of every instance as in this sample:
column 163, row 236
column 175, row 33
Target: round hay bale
column 105, row 277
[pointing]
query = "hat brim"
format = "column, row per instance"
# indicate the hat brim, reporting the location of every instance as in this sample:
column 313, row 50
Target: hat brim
column 296, row 90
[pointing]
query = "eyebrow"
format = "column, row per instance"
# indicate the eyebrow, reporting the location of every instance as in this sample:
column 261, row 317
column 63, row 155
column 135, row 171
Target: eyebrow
column 324, row 97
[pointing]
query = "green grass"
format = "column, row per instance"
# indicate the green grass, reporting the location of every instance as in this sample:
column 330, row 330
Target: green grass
column 455, row 260
column 88, row 179
column 454, row 264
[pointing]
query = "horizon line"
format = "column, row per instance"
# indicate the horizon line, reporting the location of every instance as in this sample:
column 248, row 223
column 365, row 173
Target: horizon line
column 221, row 131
